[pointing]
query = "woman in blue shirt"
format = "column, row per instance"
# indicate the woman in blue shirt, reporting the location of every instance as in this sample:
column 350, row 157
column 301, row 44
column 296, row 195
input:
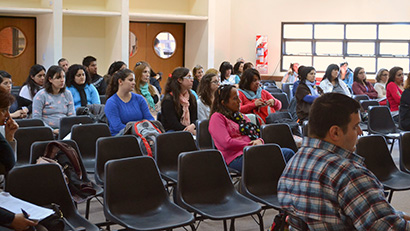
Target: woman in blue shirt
column 79, row 84
column 122, row 104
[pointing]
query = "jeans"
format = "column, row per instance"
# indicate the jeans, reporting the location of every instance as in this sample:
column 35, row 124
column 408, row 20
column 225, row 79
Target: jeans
column 237, row 162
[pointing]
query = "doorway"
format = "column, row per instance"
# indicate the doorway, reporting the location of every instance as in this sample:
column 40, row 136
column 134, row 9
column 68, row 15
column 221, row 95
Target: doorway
column 17, row 46
column 162, row 45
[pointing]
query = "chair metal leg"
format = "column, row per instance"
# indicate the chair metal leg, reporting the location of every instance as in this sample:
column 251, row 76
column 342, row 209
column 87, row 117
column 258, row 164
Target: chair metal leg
column 260, row 221
column 225, row 227
column 232, row 227
column 192, row 227
column 391, row 146
column 87, row 209
column 390, row 196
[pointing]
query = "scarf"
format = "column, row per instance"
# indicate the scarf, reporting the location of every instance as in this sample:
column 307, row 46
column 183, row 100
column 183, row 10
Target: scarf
column 184, row 101
column 312, row 87
column 147, row 95
column 83, row 96
column 246, row 128
column 252, row 95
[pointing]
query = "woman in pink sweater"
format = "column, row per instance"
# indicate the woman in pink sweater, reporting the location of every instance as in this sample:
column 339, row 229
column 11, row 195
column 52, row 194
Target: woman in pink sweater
column 394, row 88
column 231, row 130
column 254, row 99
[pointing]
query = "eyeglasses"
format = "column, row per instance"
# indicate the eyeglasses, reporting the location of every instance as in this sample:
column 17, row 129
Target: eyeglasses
column 216, row 82
column 189, row 77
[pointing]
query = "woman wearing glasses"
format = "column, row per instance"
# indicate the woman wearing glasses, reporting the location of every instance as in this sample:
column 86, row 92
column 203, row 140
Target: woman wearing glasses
column 79, row 84
column 207, row 87
column 360, row 86
column 142, row 71
column 254, row 99
column 21, row 106
column 179, row 107
column 122, row 104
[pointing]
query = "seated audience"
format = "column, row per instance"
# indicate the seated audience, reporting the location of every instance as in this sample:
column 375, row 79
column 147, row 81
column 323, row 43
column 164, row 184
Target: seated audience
column 226, row 71
column 394, row 88
column 404, row 109
column 114, row 67
column 292, row 75
column 7, row 160
column 380, row 85
column 198, row 73
column 306, row 92
column 53, row 102
column 247, row 65
column 79, row 84
column 178, row 107
column 231, row 130
column 97, row 80
column 34, row 82
column 331, row 83
column 361, row 86
column 326, row 184
column 63, row 63
column 21, row 106
column 254, row 99
column 296, row 83
column 238, row 68
column 346, row 74
column 122, row 104
column 143, row 87
column 207, row 87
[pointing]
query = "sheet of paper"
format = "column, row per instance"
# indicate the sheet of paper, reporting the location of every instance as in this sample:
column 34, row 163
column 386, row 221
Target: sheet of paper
column 15, row 205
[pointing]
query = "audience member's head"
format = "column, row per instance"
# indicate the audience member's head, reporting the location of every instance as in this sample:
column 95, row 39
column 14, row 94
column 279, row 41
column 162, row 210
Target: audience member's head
column 63, row 63
column 55, row 79
column 198, row 72
column 116, row 66
column 142, row 73
column 5, row 81
column 330, row 115
column 238, row 68
column 90, row 64
column 222, row 100
column 247, row 65
column 226, row 70
column 207, row 87
column 119, row 77
column 331, row 73
column 396, row 75
column 212, row 71
column 359, row 75
column 382, row 76
column 180, row 81
column 250, row 80
column 77, row 75
column 6, row 100
column 35, row 79
column 305, row 73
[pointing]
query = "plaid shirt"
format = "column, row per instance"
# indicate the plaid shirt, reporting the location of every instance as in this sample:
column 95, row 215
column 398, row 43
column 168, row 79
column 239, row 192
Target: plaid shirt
column 331, row 189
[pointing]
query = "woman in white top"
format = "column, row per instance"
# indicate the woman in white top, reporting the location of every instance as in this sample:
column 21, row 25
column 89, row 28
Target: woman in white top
column 381, row 79
column 34, row 82
column 331, row 83
column 206, row 89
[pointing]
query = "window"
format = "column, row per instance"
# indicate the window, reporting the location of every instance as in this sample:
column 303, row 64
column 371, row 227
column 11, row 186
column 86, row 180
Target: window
column 369, row 45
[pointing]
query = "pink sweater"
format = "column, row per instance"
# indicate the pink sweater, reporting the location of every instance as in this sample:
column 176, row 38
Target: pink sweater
column 227, row 137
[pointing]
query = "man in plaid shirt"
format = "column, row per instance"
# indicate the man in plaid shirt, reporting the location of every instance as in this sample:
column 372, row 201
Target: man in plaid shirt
column 327, row 185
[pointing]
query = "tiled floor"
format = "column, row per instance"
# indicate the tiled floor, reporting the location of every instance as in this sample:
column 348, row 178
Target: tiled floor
column 401, row 201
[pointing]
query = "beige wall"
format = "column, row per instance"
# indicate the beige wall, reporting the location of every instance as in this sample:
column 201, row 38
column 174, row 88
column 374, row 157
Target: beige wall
column 249, row 18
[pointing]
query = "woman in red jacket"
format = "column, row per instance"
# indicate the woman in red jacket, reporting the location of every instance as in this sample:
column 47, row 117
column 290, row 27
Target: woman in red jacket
column 254, row 99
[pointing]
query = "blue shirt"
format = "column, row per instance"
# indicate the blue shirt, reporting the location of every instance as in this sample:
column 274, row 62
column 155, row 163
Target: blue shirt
column 330, row 189
column 90, row 91
column 120, row 113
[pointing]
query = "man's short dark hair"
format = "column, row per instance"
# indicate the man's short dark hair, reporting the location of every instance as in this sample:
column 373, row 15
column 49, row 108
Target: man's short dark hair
column 87, row 60
column 328, row 110
column 61, row 60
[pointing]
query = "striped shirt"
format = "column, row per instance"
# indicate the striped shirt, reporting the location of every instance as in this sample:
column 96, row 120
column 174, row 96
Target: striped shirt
column 331, row 189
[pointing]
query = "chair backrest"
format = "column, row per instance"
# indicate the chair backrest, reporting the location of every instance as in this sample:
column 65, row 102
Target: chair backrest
column 103, row 99
column 26, row 136
column 29, row 122
column 203, row 137
column 287, row 88
column 144, row 189
column 66, row 123
column 114, row 147
column 203, row 178
column 380, row 120
column 283, row 98
column 377, row 156
column 86, row 136
column 365, row 104
column 262, row 167
column 305, row 128
column 360, row 97
column 405, row 151
column 43, row 184
column 278, row 134
column 169, row 146
column 38, row 148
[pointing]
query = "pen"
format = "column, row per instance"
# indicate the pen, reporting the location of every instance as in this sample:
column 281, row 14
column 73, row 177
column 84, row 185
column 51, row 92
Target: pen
column 24, row 213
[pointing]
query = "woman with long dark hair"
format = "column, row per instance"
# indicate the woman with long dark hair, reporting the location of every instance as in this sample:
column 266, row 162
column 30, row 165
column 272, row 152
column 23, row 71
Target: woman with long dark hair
column 394, row 88
column 207, row 87
column 122, row 104
column 331, row 83
column 178, row 107
column 34, row 82
column 361, row 86
column 306, row 92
